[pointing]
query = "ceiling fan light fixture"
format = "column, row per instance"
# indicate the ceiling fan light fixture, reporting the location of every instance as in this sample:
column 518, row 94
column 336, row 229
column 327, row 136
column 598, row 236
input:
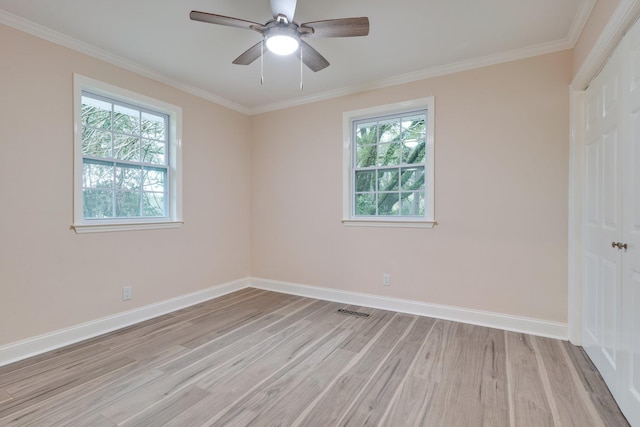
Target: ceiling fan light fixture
column 282, row 40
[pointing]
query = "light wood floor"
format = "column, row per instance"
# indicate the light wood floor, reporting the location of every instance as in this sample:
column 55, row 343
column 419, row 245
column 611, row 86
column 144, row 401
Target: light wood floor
column 262, row 359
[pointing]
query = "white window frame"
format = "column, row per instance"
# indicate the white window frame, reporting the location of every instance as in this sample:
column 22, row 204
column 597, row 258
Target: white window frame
column 348, row 217
column 173, row 219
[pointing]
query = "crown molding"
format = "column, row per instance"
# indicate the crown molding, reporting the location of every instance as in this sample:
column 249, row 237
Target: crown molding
column 579, row 21
column 72, row 43
column 58, row 38
column 457, row 67
column 623, row 17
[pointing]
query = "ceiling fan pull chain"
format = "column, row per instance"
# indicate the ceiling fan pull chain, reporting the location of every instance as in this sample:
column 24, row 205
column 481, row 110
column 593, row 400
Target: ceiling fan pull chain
column 262, row 62
column 301, row 85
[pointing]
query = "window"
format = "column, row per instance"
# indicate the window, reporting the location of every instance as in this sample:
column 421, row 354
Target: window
column 127, row 160
column 388, row 165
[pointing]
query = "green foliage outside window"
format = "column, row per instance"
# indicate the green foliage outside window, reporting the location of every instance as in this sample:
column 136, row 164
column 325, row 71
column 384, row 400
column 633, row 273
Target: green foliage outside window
column 390, row 166
column 125, row 160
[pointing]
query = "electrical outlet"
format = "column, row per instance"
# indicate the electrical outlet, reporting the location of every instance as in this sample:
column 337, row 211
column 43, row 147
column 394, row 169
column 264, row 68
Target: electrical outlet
column 386, row 279
column 126, row 293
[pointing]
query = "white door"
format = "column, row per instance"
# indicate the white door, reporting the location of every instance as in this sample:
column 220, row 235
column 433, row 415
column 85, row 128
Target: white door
column 602, row 260
column 630, row 331
column 611, row 284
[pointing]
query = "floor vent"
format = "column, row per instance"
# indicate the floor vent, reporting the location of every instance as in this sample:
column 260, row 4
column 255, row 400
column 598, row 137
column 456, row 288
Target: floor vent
column 353, row 313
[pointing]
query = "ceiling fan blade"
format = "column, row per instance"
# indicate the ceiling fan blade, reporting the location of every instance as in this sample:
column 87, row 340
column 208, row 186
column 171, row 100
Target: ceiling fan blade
column 345, row 27
column 249, row 55
column 283, row 7
column 212, row 18
column 311, row 57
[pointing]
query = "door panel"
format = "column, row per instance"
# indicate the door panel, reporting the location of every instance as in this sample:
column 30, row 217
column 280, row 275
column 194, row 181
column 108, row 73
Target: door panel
column 603, row 221
column 630, row 328
column 610, row 181
column 610, row 312
column 611, row 318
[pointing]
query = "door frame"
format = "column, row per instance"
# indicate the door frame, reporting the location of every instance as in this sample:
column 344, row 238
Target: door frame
column 623, row 17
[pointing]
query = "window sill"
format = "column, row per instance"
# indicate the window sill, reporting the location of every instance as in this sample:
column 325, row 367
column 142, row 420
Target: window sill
column 388, row 223
column 106, row 228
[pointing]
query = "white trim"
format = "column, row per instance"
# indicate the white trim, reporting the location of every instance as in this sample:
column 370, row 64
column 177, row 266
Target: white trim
column 576, row 176
column 105, row 228
column 23, row 349
column 442, row 70
column 348, row 117
column 61, row 39
column 506, row 322
column 499, row 58
column 623, row 17
column 174, row 214
column 579, row 21
column 382, row 223
column 33, row 346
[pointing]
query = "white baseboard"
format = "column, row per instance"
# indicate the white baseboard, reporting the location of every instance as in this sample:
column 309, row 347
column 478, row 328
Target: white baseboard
column 60, row 338
column 53, row 340
column 475, row 317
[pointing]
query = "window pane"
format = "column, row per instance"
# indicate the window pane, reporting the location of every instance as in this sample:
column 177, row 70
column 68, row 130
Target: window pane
column 366, row 133
column 153, row 204
column 97, row 203
column 413, row 178
column 97, row 175
column 126, row 120
column 389, row 130
column 154, row 180
column 96, row 113
column 388, row 204
column 388, row 154
column 96, row 143
column 366, row 156
column 127, row 203
column 153, row 126
column 388, row 180
column 126, row 148
column 413, row 151
column 365, row 204
column 128, row 177
column 394, row 147
column 413, row 127
column 413, row 203
column 153, row 152
column 365, row 181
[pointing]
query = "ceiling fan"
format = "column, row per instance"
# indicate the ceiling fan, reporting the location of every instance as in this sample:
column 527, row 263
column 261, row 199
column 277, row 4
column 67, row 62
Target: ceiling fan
column 283, row 36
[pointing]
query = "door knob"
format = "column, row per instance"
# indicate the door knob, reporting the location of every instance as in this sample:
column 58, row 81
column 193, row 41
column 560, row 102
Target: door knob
column 619, row 245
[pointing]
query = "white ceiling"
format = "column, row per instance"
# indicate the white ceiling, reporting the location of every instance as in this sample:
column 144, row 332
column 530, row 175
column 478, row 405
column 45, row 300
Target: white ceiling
column 408, row 40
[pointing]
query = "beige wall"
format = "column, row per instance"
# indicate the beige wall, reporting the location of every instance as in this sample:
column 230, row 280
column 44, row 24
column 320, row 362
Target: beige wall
column 600, row 15
column 262, row 197
column 50, row 277
column 502, row 145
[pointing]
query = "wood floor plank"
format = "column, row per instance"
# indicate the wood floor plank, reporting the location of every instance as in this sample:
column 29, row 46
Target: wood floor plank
column 595, row 386
column 256, row 357
column 249, row 410
column 50, row 390
column 377, row 395
column 572, row 410
column 475, row 370
column 70, row 408
column 235, row 344
column 241, row 374
column 5, row 396
column 409, row 404
column 330, row 406
column 167, row 409
column 530, row 405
